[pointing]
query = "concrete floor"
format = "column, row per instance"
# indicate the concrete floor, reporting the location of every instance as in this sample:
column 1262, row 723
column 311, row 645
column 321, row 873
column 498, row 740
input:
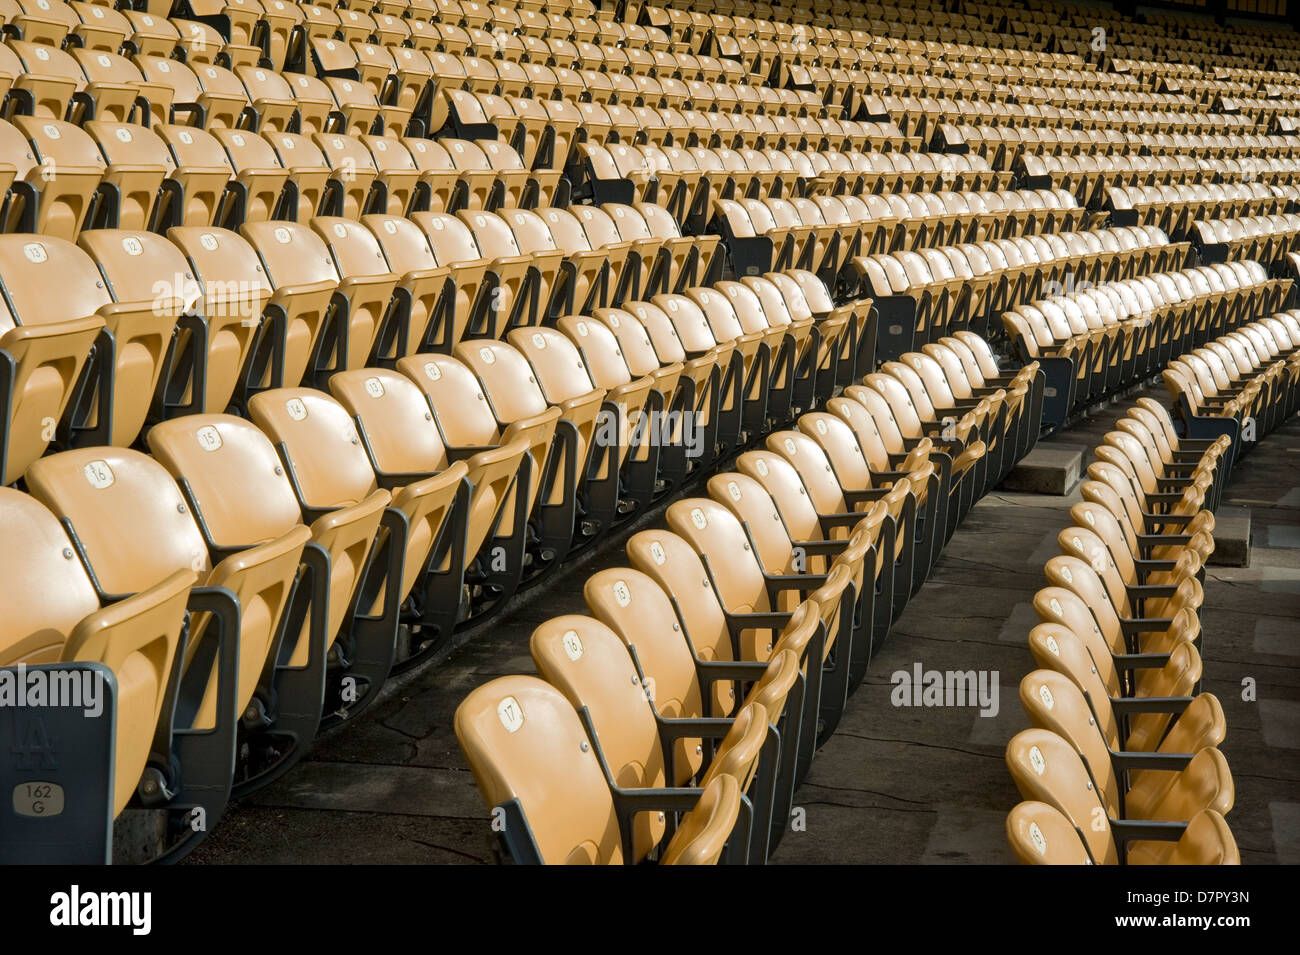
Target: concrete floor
column 894, row 784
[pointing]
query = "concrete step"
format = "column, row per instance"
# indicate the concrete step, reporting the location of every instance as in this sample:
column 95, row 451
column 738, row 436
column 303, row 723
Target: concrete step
column 1231, row 536
column 1051, row 468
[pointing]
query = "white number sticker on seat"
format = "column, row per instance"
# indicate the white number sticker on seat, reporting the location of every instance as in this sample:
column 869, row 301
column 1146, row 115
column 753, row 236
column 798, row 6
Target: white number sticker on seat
column 1045, row 694
column 98, row 474
column 698, row 518
column 374, row 387
column 572, row 646
column 511, row 714
column 622, row 595
column 433, row 371
column 35, row 252
column 209, row 438
column 1036, row 837
column 1036, row 760
column 208, row 241
column 657, row 553
column 296, row 409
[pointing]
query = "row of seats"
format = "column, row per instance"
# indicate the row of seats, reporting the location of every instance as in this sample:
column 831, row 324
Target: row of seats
column 225, row 313
column 1097, row 341
column 921, row 294
column 1268, row 239
column 1004, row 146
column 171, row 81
column 1122, row 765
column 758, row 231
column 65, row 178
column 1089, row 176
column 1175, row 209
column 779, row 585
column 930, row 116
column 1242, row 384
column 704, row 175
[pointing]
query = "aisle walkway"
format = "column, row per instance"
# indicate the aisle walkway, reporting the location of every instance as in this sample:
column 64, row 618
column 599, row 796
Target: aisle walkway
column 895, row 784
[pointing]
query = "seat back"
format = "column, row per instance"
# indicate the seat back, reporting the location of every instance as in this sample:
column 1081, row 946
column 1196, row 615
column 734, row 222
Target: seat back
column 322, row 449
column 1042, row 835
column 674, row 565
column 211, row 453
column 1047, row 769
column 1053, row 702
column 524, row 741
column 634, row 607
column 393, row 419
column 588, row 663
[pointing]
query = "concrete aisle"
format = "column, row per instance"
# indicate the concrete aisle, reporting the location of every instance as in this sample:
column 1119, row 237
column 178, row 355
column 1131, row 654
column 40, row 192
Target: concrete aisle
column 895, row 784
